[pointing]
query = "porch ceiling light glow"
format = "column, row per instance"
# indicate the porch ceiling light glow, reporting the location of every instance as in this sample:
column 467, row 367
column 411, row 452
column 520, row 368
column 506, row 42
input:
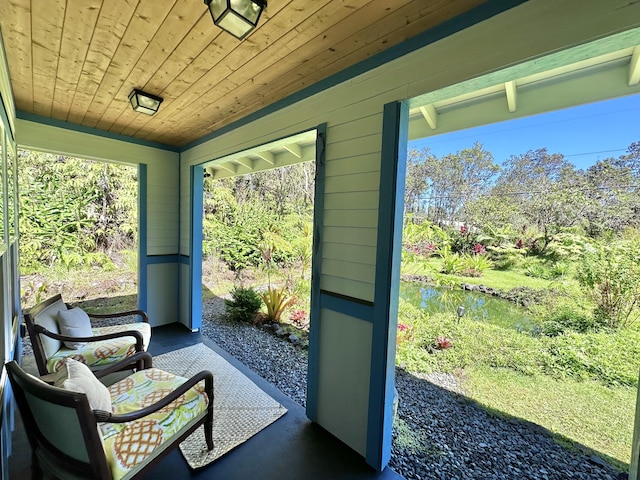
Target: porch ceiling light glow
column 238, row 17
column 144, row 102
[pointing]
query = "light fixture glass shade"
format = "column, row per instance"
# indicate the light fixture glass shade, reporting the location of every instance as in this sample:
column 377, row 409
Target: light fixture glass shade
column 238, row 17
column 144, row 102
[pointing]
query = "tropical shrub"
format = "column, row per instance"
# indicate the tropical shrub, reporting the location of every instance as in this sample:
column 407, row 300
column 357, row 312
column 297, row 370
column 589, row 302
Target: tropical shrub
column 244, row 304
column 475, row 264
column 276, row 300
column 506, row 256
column 610, row 276
column 299, row 318
column 452, row 263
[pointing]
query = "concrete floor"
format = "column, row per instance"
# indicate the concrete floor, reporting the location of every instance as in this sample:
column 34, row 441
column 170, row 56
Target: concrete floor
column 292, row 448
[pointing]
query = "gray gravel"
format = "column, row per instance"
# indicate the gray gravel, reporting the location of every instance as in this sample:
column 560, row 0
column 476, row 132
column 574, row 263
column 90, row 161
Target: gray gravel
column 438, row 434
column 274, row 359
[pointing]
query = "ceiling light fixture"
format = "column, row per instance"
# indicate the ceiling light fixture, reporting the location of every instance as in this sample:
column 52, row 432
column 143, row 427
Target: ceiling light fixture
column 144, row 102
column 238, row 17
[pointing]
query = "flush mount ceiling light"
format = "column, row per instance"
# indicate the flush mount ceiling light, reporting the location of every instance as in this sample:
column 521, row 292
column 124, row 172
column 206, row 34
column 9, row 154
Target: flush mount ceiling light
column 238, row 17
column 144, row 102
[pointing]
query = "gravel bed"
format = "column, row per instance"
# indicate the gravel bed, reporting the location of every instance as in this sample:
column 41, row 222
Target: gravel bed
column 438, row 434
column 274, row 359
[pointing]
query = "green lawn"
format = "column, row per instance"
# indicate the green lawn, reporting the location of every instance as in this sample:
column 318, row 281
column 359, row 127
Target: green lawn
column 587, row 413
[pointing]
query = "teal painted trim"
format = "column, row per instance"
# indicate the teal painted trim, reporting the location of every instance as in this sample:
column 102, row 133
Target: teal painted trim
column 162, row 259
column 143, row 261
column 349, row 306
column 184, row 259
column 316, row 263
column 93, row 131
column 395, row 126
column 478, row 14
column 195, row 270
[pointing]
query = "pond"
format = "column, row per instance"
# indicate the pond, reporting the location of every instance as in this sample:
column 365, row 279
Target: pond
column 477, row 306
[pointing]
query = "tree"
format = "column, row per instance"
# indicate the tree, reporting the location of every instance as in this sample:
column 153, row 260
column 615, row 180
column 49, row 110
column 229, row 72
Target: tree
column 416, row 183
column 545, row 189
column 456, row 179
column 611, row 200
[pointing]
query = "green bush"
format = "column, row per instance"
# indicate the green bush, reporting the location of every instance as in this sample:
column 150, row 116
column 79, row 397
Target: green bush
column 565, row 317
column 244, row 304
column 610, row 276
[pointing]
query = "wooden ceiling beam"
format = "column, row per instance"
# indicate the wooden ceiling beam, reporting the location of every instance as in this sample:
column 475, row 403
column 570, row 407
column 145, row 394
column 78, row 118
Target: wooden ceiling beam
column 229, row 167
column 634, row 67
column 430, row 115
column 267, row 157
column 245, row 162
column 510, row 90
column 295, row 149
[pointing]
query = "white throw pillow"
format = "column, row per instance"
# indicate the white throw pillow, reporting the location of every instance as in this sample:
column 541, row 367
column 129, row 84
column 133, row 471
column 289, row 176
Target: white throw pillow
column 74, row 323
column 77, row 377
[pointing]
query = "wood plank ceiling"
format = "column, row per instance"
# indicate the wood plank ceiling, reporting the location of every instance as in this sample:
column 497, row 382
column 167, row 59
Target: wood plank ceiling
column 78, row 60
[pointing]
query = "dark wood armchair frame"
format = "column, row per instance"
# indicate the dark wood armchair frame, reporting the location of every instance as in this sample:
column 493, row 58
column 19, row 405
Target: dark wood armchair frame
column 36, row 330
column 96, row 466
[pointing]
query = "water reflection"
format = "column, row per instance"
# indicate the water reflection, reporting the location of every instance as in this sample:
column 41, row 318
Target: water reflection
column 477, row 306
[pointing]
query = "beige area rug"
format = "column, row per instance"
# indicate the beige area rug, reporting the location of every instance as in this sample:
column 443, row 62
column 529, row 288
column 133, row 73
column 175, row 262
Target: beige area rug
column 240, row 408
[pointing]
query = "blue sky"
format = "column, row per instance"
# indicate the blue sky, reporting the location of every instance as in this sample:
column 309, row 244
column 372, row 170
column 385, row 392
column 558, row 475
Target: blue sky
column 582, row 134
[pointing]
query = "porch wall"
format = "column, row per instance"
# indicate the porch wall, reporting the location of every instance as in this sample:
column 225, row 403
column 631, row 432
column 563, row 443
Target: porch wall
column 160, row 195
column 353, row 112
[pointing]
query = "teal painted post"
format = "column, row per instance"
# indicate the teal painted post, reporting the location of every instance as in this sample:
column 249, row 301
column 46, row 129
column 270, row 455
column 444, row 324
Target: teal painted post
column 143, row 286
column 387, row 284
column 195, row 258
column 314, row 314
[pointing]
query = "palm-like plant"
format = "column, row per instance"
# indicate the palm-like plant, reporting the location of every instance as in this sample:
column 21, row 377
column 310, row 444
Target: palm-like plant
column 276, row 300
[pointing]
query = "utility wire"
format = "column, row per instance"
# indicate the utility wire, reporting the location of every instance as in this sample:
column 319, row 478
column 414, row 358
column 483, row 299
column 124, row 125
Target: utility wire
column 531, row 192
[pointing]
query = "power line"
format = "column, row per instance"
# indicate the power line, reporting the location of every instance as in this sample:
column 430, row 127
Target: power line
column 593, row 153
column 532, row 192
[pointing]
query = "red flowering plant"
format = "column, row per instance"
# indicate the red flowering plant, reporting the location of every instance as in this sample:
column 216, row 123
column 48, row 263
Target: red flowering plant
column 443, row 343
column 479, row 249
column 405, row 333
column 299, row 318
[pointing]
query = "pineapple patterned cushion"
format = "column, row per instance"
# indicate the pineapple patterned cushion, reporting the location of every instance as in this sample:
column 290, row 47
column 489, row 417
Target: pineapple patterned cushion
column 134, row 444
column 104, row 352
